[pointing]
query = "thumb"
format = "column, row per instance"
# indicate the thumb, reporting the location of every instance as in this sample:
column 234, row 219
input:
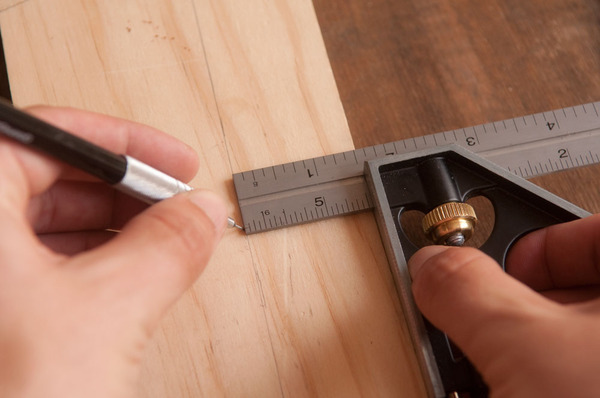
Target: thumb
column 465, row 293
column 161, row 252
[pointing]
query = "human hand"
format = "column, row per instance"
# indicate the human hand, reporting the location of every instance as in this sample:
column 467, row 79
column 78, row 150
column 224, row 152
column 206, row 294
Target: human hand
column 533, row 334
column 78, row 303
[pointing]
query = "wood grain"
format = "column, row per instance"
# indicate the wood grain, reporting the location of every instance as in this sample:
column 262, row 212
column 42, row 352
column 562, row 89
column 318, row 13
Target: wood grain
column 416, row 67
column 311, row 310
column 308, row 311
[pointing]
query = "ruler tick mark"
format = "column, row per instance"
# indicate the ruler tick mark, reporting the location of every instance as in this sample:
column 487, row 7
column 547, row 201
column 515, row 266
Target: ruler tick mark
column 527, row 155
column 556, row 119
column 476, row 135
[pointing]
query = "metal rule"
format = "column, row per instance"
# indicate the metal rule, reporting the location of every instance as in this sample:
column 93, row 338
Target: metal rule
column 333, row 185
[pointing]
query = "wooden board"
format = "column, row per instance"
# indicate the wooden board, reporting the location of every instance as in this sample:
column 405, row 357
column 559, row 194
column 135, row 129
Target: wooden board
column 310, row 310
column 306, row 311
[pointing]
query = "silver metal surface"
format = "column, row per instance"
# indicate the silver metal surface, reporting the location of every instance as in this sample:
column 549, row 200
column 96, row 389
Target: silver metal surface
column 314, row 189
column 148, row 184
column 456, row 239
column 232, row 224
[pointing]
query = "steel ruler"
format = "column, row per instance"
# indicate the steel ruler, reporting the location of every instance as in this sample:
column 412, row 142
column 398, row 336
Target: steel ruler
column 333, row 185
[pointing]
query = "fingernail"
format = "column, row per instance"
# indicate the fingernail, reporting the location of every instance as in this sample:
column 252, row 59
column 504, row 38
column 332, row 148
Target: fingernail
column 416, row 262
column 212, row 205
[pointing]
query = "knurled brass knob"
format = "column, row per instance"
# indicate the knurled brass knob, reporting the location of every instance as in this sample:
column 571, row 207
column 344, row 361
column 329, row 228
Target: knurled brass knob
column 450, row 224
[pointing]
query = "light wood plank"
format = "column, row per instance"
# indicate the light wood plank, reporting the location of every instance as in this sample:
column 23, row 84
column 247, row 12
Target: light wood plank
column 123, row 61
column 305, row 311
column 330, row 303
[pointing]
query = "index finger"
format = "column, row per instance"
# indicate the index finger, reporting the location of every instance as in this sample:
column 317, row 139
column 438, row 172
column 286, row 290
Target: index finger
column 560, row 256
column 142, row 142
column 26, row 174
